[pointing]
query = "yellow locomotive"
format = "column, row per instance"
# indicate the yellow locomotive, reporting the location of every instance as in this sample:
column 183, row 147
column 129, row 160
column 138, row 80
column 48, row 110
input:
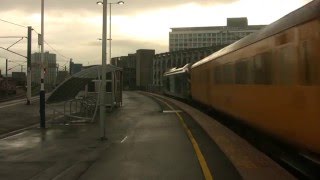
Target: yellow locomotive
column 269, row 79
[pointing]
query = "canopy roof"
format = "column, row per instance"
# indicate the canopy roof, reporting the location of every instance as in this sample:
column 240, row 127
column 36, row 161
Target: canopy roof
column 69, row 88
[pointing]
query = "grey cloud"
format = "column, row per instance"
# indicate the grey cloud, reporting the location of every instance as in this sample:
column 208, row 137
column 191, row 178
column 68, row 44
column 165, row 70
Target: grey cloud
column 129, row 46
column 93, row 43
column 131, row 6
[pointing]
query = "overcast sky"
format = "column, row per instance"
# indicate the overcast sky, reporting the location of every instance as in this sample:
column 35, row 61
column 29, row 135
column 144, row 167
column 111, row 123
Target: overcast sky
column 72, row 27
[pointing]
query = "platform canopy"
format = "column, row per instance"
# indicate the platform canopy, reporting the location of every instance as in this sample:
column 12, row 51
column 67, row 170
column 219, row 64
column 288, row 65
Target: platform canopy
column 69, row 88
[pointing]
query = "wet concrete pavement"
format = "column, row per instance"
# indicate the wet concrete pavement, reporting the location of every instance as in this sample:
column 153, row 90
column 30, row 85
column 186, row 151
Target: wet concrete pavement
column 143, row 143
column 16, row 114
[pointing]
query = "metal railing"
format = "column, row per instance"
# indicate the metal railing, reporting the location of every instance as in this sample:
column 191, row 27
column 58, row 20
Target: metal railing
column 81, row 109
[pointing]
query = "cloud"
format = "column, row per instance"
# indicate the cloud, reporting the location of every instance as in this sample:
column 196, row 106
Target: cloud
column 127, row 46
column 73, row 26
column 131, row 6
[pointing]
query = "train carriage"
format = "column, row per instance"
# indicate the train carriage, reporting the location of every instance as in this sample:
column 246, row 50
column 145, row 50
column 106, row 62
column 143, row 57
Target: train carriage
column 177, row 82
column 269, row 79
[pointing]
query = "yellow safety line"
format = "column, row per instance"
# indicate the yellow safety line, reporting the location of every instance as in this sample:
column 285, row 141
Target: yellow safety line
column 205, row 169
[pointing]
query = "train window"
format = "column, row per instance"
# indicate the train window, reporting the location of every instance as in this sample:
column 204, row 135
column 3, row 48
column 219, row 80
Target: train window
column 310, row 57
column 250, row 71
column 217, row 74
column 228, row 73
column 109, row 75
column 286, row 64
column 262, row 68
column 285, row 37
column 178, row 83
column 241, row 72
column 171, row 84
column 108, row 86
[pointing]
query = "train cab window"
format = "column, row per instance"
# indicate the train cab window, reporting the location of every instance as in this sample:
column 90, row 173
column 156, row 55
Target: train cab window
column 217, row 74
column 228, row 73
column 286, row 65
column 262, row 68
column 241, row 72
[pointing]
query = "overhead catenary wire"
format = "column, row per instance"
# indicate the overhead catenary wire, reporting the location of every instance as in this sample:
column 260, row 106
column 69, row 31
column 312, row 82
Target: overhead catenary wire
column 13, row 23
column 35, row 32
column 56, row 51
column 60, row 54
column 23, row 26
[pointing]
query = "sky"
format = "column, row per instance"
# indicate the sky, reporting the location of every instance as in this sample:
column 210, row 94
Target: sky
column 73, row 27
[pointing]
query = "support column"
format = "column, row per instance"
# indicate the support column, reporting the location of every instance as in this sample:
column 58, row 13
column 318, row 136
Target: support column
column 42, row 92
column 29, row 65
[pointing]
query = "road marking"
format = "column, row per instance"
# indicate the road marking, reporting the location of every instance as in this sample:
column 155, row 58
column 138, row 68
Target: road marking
column 204, row 166
column 171, row 111
column 124, row 139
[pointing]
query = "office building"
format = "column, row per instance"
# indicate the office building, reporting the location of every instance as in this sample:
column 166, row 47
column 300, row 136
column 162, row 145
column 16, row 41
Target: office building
column 74, row 68
column 20, row 78
column 50, row 65
column 196, row 37
column 137, row 69
column 128, row 65
column 144, row 62
column 61, row 76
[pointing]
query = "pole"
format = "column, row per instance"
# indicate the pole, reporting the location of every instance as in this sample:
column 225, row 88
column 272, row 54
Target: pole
column 70, row 66
column 7, row 86
column 57, row 73
column 103, row 79
column 109, row 34
column 29, row 65
column 42, row 92
column 6, row 68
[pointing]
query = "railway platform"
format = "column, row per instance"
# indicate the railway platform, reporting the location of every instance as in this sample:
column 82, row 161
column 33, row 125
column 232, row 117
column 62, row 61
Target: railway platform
column 149, row 137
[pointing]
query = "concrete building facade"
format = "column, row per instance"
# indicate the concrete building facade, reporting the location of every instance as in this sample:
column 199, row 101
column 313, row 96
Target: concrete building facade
column 197, row 37
column 50, row 64
column 144, row 61
column 128, row 65
column 137, row 69
column 74, row 68
column 20, row 78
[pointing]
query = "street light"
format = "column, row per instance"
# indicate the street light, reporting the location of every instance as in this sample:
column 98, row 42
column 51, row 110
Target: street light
column 42, row 92
column 110, row 39
column 119, row 3
column 104, row 3
column 103, row 71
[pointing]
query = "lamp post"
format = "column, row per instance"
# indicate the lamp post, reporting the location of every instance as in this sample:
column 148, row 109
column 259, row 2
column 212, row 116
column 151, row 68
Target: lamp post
column 110, row 39
column 104, row 3
column 103, row 71
column 42, row 92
